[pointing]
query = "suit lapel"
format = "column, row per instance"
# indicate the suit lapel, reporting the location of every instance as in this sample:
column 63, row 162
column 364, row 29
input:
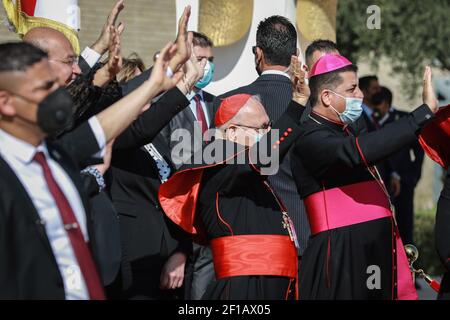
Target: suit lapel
column 209, row 102
column 26, row 205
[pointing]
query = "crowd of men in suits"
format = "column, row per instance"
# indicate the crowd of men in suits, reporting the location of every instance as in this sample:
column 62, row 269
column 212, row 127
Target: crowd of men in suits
column 86, row 143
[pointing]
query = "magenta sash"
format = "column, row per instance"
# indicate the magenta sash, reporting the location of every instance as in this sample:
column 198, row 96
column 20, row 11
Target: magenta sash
column 358, row 203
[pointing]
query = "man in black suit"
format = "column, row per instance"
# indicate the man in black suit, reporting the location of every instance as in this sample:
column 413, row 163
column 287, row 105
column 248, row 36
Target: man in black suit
column 276, row 42
column 45, row 231
column 369, row 85
column 406, row 163
column 155, row 248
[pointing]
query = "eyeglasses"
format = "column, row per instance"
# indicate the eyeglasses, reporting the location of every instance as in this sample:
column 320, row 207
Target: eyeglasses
column 254, row 49
column 69, row 61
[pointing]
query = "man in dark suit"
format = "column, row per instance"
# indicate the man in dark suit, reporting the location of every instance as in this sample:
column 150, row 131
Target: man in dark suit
column 276, row 42
column 369, row 85
column 406, row 163
column 45, row 231
column 156, row 248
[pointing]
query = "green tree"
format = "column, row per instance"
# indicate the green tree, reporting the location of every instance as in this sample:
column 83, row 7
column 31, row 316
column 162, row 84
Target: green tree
column 412, row 34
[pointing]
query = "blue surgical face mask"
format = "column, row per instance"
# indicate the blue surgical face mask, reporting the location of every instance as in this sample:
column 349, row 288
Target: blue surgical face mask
column 353, row 109
column 207, row 75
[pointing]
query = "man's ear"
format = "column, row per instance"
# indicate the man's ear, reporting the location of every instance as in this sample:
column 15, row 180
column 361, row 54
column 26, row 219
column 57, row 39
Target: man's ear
column 259, row 54
column 325, row 98
column 231, row 133
column 6, row 107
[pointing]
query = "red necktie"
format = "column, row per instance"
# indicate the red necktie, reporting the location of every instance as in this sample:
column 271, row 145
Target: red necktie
column 79, row 246
column 200, row 114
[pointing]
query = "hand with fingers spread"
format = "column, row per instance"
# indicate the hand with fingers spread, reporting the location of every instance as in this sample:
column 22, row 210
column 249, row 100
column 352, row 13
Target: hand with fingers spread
column 300, row 90
column 183, row 38
column 428, row 94
column 102, row 43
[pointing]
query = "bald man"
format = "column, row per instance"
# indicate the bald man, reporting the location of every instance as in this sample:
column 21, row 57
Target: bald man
column 230, row 202
column 61, row 55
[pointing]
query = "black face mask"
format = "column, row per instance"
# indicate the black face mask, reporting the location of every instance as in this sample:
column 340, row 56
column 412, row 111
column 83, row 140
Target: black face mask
column 55, row 112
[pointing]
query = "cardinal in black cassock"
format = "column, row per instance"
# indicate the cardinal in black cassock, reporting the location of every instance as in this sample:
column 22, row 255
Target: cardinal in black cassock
column 230, row 203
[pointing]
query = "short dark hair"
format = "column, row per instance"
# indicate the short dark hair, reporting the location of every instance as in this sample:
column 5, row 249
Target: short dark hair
column 277, row 38
column 384, row 95
column 329, row 80
column 364, row 82
column 201, row 40
column 19, row 56
column 322, row 45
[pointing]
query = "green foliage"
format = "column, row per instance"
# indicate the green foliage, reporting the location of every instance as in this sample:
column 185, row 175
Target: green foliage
column 413, row 34
column 424, row 238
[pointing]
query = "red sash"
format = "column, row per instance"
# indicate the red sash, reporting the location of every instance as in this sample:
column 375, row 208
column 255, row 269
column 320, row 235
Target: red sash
column 353, row 204
column 262, row 255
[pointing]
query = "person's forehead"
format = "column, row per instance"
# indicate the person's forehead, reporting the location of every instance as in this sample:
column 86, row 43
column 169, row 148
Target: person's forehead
column 349, row 78
column 374, row 83
column 62, row 48
column 203, row 51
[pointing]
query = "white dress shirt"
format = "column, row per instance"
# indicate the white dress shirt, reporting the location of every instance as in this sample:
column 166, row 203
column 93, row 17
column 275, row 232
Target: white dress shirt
column 279, row 72
column 19, row 156
column 193, row 105
column 90, row 56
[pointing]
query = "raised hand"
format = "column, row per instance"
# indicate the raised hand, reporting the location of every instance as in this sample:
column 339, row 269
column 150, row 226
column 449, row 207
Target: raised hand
column 428, row 94
column 115, row 61
column 182, row 41
column 159, row 77
column 300, row 90
column 193, row 71
column 102, row 43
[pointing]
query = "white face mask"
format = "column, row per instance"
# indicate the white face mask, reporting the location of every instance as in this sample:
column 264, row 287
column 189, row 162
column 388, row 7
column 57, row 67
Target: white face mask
column 353, row 109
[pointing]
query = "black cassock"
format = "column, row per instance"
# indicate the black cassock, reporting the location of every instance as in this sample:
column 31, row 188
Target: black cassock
column 443, row 236
column 350, row 255
column 225, row 200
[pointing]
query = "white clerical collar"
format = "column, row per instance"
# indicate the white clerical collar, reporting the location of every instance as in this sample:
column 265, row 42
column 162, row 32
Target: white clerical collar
column 279, row 72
